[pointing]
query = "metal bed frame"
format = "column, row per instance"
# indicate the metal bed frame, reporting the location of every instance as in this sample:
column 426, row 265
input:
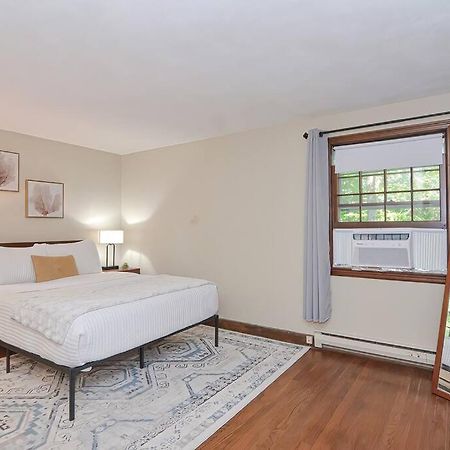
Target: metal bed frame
column 73, row 372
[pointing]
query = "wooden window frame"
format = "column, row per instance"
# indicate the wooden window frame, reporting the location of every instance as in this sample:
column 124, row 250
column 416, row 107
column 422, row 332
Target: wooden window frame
column 380, row 135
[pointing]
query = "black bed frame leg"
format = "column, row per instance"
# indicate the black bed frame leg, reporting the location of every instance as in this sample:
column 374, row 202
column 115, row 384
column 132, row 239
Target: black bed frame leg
column 216, row 330
column 72, row 379
column 141, row 357
column 8, row 360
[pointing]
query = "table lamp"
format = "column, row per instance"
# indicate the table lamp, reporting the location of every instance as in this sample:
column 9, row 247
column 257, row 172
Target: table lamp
column 111, row 238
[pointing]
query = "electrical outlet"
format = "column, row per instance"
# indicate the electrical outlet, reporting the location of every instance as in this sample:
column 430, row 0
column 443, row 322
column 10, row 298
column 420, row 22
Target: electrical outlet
column 309, row 340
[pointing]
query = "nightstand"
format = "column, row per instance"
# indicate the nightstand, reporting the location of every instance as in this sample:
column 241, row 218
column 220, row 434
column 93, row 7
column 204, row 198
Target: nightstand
column 129, row 270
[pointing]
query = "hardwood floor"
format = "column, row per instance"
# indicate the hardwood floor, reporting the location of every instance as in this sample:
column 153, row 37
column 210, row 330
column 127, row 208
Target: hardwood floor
column 331, row 400
column 338, row 401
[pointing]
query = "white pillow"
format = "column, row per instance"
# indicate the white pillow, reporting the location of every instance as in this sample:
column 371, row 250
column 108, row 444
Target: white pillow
column 85, row 253
column 16, row 265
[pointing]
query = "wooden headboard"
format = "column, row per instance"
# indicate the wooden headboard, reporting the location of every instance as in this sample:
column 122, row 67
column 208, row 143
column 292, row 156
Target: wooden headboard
column 30, row 244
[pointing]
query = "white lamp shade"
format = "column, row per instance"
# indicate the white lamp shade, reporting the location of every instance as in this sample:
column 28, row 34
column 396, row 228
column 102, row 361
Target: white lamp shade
column 111, row 237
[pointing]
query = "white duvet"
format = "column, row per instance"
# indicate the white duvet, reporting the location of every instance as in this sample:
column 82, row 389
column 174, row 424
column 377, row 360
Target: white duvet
column 105, row 332
column 52, row 312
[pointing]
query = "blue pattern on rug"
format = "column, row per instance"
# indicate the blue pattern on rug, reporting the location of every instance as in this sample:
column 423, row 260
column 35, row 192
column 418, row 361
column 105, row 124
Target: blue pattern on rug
column 187, row 390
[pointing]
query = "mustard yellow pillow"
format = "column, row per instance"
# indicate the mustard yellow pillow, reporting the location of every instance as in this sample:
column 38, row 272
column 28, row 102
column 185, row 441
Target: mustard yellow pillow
column 48, row 268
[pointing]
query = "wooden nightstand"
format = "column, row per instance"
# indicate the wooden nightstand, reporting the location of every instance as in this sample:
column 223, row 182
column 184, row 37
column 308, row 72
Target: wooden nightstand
column 129, row 270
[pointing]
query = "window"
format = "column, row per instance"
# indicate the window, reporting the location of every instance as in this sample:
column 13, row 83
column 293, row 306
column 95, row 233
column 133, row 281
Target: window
column 394, row 196
column 393, row 179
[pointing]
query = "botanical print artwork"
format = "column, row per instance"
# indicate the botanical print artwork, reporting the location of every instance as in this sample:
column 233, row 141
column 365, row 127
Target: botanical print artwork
column 44, row 199
column 9, row 171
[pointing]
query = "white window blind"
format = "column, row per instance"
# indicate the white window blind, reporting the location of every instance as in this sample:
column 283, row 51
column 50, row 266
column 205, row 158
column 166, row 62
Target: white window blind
column 418, row 151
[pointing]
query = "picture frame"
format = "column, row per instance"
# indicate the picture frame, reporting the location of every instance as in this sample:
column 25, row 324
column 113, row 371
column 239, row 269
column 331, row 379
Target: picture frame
column 9, row 171
column 44, row 199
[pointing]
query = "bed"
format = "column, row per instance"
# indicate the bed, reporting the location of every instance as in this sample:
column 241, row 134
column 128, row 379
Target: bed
column 97, row 315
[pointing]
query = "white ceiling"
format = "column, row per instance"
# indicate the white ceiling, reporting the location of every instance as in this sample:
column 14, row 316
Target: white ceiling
column 131, row 75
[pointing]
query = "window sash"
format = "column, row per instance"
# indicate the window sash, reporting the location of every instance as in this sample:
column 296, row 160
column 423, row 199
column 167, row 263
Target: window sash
column 361, row 210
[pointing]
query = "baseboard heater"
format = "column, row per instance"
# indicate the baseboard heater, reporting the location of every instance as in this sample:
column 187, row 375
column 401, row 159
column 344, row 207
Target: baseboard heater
column 398, row 352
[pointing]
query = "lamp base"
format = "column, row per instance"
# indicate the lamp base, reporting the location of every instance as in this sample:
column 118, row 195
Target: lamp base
column 110, row 268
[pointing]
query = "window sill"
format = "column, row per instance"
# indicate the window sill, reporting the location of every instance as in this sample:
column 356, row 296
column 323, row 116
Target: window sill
column 395, row 276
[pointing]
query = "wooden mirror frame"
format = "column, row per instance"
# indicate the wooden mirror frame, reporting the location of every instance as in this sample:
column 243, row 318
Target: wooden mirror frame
column 441, row 337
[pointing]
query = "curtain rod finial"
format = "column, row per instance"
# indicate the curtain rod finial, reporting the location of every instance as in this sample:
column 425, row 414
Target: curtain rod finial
column 305, row 135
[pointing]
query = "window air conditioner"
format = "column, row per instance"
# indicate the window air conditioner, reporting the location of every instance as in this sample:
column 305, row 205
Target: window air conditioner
column 382, row 250
column 416, row 249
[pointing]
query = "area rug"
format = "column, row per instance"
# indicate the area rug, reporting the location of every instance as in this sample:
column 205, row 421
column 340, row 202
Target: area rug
column 186, row 392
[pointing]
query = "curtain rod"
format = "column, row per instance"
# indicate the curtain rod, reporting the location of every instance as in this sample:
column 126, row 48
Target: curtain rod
column 376, row 124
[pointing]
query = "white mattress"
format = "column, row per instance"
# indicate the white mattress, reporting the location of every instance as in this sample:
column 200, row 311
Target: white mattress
column 107, row 332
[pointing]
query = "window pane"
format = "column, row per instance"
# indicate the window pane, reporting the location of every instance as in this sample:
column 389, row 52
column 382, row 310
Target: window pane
column 398, row 180
column 372, row 183
column 372, row 214
column 349, row 214
column 424, row 178
column 427, row 205
column 373, row 198
column 349, row 174
column 402, row 170
column 398, row 207
column 426, row 213
column 398, row 213
column 348, row 199
column 425, row 168
column 423, row 196
column 377, row 172
column 348, row 185
column 396, row 197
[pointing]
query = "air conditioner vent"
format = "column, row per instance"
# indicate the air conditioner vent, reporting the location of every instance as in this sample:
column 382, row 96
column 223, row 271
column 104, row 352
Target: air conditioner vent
column 381, row 236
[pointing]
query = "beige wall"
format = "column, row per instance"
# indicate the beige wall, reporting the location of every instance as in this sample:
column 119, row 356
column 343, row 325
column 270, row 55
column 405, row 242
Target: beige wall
column 92, row 190
column 228, row 209
column 231, row 209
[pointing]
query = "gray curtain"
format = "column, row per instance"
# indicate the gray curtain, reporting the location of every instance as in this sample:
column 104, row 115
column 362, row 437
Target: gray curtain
column 317, row 292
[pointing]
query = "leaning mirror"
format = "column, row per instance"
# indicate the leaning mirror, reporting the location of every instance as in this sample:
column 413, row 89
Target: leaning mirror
column 441, row 374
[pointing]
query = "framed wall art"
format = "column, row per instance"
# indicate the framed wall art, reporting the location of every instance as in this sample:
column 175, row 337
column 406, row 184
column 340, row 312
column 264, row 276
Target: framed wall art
column 44, row 199
column 9, row 171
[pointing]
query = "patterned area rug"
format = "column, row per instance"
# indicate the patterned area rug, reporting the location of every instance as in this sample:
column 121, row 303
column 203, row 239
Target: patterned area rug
column 187, row 391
